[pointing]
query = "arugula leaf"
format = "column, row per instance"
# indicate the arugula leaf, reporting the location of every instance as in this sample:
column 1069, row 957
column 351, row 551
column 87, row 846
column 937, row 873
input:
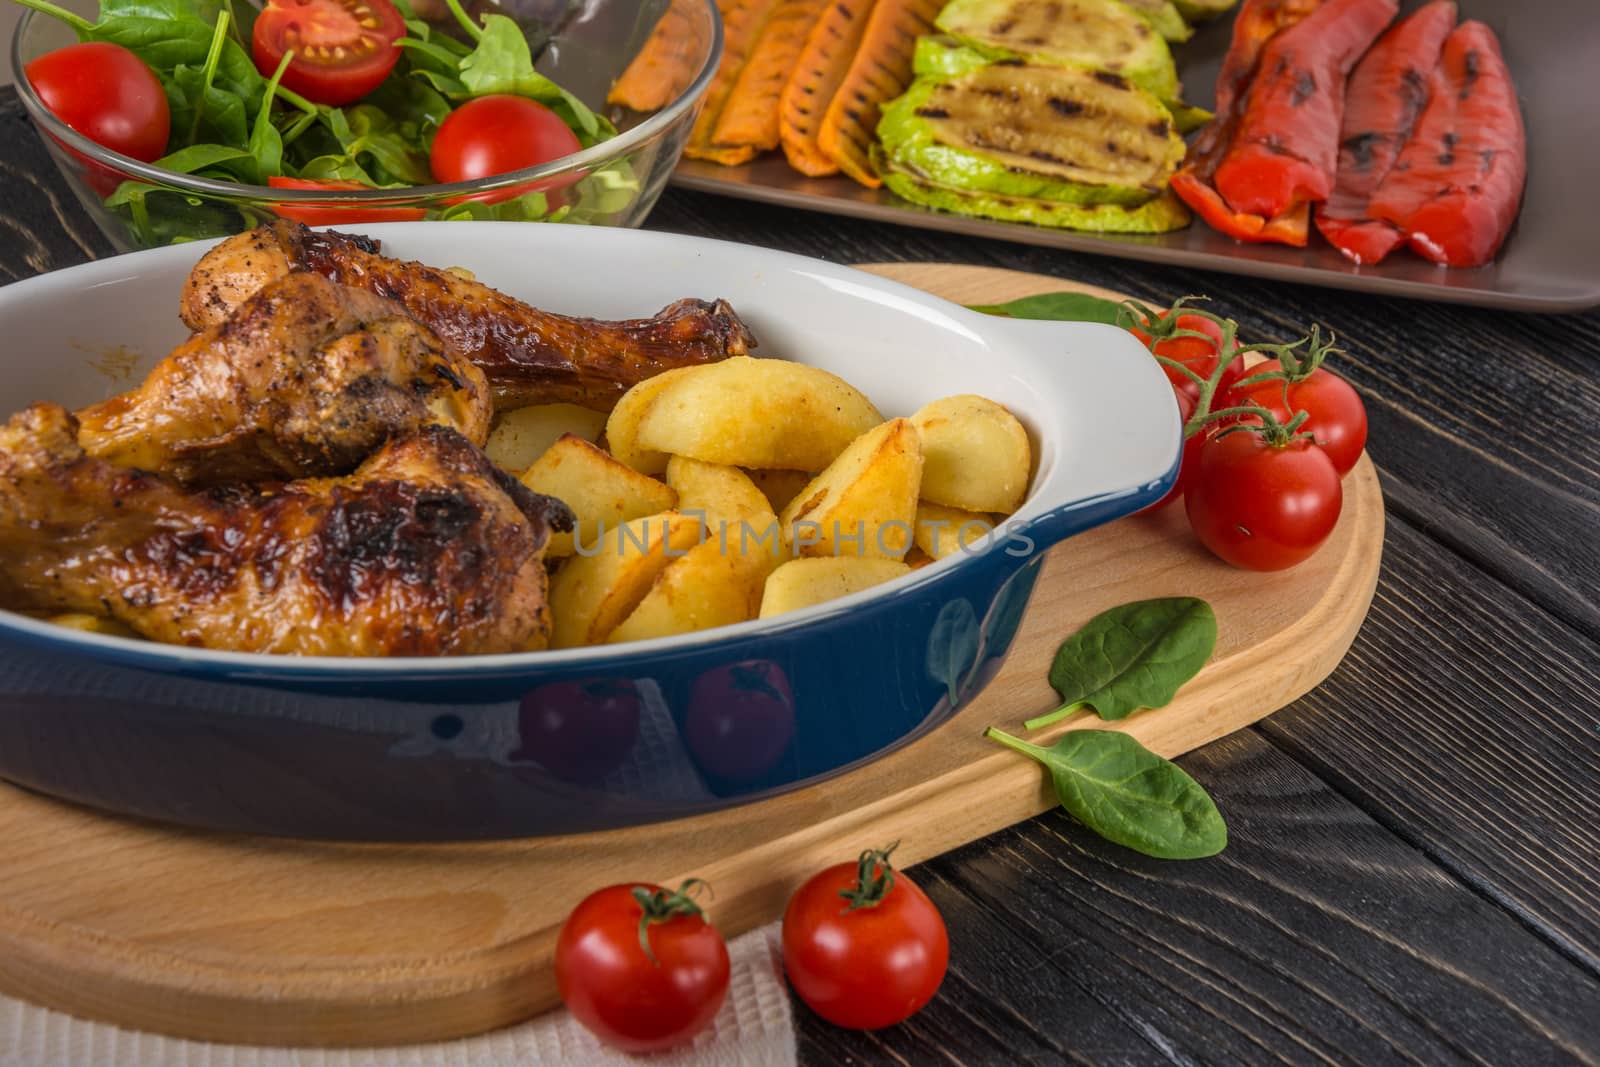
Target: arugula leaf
column 1127, row 794
column 1131, row 657
column 1066, row 307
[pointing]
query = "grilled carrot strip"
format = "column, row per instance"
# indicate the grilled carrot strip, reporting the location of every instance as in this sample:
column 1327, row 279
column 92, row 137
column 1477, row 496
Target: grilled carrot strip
column 1455, row 189
column 751, row 114
column 1387, row 94
column 742, row 21
column 1286, row 147
column 663, row 68
column 822, row 69
column 1257, row 23
column 880, row 71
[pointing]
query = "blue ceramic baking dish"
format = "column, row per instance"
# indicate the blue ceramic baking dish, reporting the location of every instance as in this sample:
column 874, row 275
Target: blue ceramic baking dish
column 583, row 739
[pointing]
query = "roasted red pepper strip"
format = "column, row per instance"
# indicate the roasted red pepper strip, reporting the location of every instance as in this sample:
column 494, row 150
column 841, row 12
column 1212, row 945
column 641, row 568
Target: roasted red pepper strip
column 1387, row 93
column 1256, row 24
column 1455, row 189
column 1286, row 147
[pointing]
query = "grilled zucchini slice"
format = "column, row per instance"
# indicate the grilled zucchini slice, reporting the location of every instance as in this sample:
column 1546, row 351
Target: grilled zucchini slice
column 1104, row 34
column 1201, row 10
column 1048, row 133
column 1163, row 18
column 1159, row 215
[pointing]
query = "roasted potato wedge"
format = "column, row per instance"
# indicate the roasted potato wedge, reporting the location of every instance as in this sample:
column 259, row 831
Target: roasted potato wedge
column 780, row 487
column 976, row 455
column 801, row 583
column 705, row 588
column 622, row 426
column 601, row 492
column 763, row 413
column 864, row 503
column 737, row 515
column 942, row 531
column 591, row 595
column 523, row 435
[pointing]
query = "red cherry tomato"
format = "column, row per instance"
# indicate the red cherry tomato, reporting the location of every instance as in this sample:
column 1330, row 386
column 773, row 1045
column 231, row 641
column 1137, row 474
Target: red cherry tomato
column 1259, row 506
column 497, row 135
column 343, row 49
column 109, row 95
column 1191, row 454
column 1338, row 419
column 1198, row 354
column 337, row 214
column 617, row 990
column 870, row 965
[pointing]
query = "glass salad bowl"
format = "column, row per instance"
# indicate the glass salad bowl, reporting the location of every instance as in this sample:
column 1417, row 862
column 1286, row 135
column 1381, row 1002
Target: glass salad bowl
column 578, row 48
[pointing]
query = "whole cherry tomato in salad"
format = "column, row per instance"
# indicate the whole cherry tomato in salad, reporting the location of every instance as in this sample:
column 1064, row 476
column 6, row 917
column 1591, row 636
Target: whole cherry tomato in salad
column 335, row 214
column 108, row 94
column 1261, row 506
column 343, row 49
column 862, row 945
column 497, row 135
column 1337, row 418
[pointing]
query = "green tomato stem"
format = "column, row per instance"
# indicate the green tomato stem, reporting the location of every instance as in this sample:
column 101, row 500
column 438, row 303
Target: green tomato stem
column 1054, row 716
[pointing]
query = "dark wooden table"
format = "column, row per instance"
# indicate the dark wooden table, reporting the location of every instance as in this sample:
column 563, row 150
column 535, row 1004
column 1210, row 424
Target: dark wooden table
column 1413, row 872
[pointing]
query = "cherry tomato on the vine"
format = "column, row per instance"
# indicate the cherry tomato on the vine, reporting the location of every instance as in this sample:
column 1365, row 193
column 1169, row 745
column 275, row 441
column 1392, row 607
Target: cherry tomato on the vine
column 497, row 135
column 1260, row 506
column 1338, row 419
column 862, row 945
column 108, row 94
column 640, row 967
column 1199, row 354
column 336, row 214
column 343, row 49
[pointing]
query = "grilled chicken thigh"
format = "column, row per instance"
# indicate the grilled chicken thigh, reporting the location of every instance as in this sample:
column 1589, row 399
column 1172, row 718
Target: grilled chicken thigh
column 528, row 355
column 307, row 377
column 427, row 549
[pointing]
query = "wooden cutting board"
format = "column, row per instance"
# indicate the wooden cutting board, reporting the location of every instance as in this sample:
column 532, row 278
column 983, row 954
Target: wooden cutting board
column 281, row 942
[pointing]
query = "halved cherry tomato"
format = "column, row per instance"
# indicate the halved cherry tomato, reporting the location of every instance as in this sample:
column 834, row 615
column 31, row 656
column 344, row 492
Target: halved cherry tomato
column 1260, row 506
column 636, row 998
column 497, row 135
column 1338, row 419
column 343, row 49
column 332, row 214
column 862, row 945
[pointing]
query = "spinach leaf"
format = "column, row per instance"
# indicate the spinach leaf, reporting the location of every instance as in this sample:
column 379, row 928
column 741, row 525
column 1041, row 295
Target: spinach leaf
column 1127, row 794
column 502, row 63
column 266, row 143
column 1067, row 307
column 205, row 114
column 1131, row 657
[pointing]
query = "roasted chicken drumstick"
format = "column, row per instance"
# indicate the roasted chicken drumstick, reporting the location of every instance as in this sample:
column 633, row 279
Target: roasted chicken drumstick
column 528, row 355
column 427, row 549
column 307, row 377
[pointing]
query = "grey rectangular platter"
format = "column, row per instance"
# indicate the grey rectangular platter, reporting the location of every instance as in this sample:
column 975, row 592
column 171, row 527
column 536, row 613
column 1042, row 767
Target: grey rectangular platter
column 1550, row 263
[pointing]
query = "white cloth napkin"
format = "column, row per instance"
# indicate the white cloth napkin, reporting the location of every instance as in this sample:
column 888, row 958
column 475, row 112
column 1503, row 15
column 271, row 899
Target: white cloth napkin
column 754, row 1028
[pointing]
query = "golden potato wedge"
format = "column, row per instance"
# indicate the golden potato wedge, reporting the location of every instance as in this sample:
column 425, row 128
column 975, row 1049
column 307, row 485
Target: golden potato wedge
column 601, row 492
column 737, row 515
column 92, row 624
column 622, row 425
column 705, row 588
column 764, row 413
column 801, row 583
column 780, row 487
column 523, row 435
column 590, row 595
column 976, row 455
column 863, row 504
column 942, row 531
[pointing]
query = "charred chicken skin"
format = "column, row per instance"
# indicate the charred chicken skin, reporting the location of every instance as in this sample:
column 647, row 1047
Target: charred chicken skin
column 528, row 355
column 307, row 377
column 427, row 549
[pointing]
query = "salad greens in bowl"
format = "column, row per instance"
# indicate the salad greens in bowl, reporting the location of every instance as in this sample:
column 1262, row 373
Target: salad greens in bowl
column 182, row 120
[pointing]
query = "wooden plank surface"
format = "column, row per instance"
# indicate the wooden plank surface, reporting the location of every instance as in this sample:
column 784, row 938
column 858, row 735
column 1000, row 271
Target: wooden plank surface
column 231, row 938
